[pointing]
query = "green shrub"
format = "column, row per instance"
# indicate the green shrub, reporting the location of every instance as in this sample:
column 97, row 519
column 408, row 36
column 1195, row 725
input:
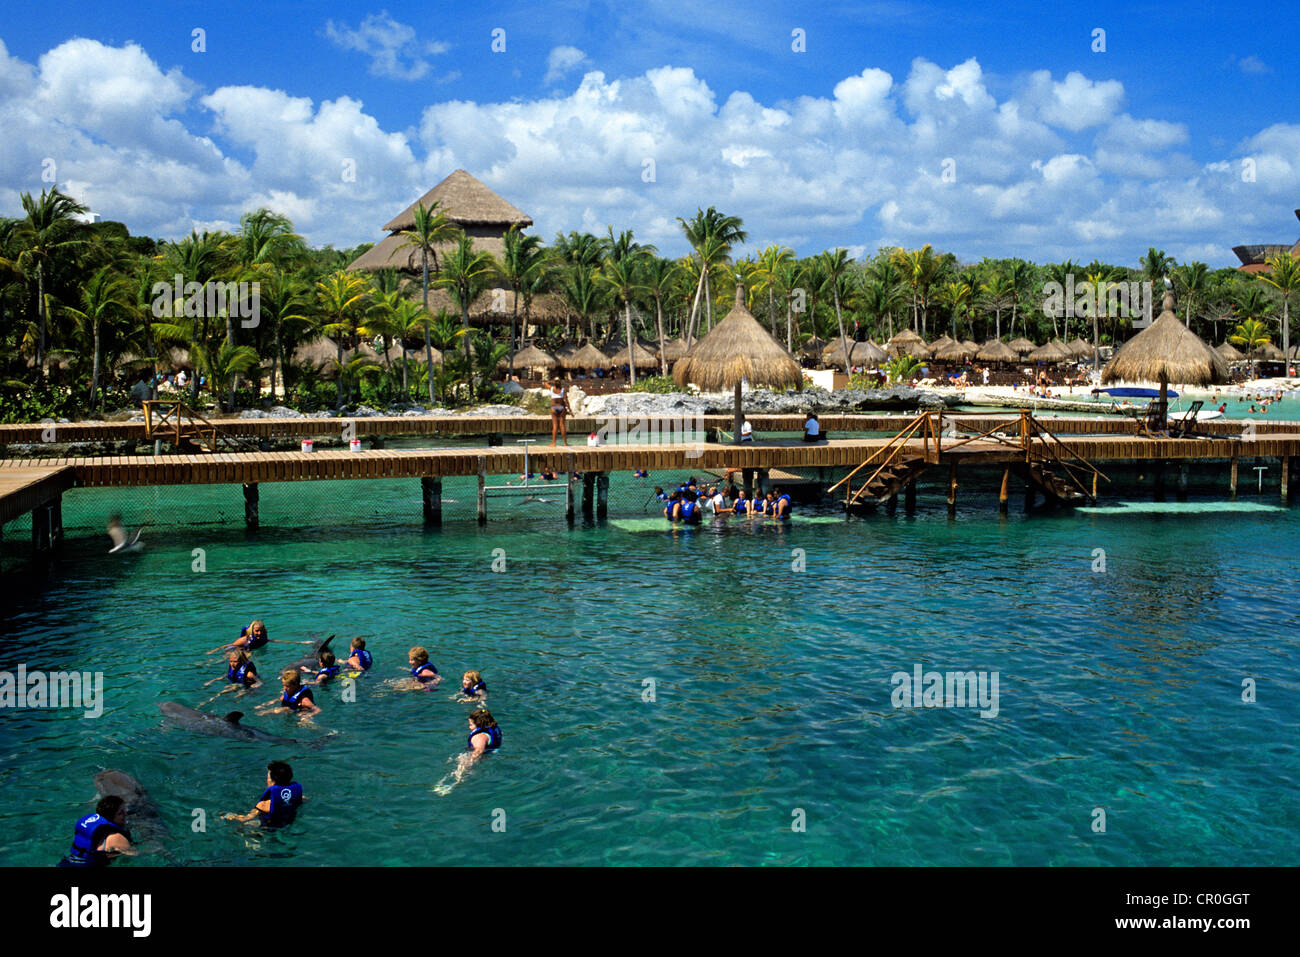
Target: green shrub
column 655, row 383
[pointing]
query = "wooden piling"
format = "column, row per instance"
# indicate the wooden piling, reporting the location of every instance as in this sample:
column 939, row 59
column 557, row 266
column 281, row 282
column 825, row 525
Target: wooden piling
column 568, row 490
column 1286, row 472
column 1004, row 492
column 482, row 489
column 431, row 494
column 909, row 496
column 588, row 492
column 748, row 477
column 1182, row 482
column 250, row 505
column 1232, row 478
column 602, row 494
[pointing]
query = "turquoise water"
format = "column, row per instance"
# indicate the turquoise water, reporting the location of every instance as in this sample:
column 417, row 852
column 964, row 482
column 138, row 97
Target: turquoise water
column 771, row 649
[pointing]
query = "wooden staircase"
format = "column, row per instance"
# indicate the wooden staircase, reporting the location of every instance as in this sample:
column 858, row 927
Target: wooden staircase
column 889, row 481
column 172, row 420
column 1054, row 485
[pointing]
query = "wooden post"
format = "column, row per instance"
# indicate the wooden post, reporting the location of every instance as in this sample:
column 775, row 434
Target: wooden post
column 431, row 493
column 588, row 491
column 482, row 489
column 952, row 488
column 40, row 530
column 1232, row 478
column 891, row 504
column 1003, row 493
column 763, row 483
column 250, row 505
column 1160, row 480
column 1029, row 493
column 1182, row 481
column 602, row 494
column 568, row 491
column 909, row 496
column 748, row 476
column 1286, row 472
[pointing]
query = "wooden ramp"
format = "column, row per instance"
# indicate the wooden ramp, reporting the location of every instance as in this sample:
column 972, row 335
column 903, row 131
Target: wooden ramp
column 25, row 488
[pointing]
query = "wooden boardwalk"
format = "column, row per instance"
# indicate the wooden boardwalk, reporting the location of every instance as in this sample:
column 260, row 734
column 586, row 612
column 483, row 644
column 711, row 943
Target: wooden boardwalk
column 468, row 426
column 24, row 488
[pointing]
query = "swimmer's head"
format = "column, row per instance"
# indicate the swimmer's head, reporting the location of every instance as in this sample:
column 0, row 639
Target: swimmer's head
column 358, row 643
column 470, row 679
column 257, row 627
column 482, row 718
column 327, row 659
column 237, row 657
column 111, row 808
column 290, row 678
column 279, row 772
column 418, row 656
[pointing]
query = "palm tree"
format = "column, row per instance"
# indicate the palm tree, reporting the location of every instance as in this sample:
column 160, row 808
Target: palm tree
column 1156, row 265
column 221, row 364
column 522, row 260
column 1284, row 276
column 1099, row 275
column 920, row 269
column 340, row 299
column 199, row 258
column 104, row 299
column 1020, row 274
column 49, row 231
column 998, row 294
column 1192, row 280
column 791, row 274
column 580, row 290
column 464, row 274
column 621, row 275
column 711, row 235
column 284, row 308
column 766, row 276
column 430, row 230
column 954, row 294
column 658, row 279
column 836, row 264
column 1059, row 273
column 1251, row 335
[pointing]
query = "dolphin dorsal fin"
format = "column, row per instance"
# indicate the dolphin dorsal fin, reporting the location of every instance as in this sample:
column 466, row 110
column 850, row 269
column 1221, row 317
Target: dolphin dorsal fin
column 234, row 717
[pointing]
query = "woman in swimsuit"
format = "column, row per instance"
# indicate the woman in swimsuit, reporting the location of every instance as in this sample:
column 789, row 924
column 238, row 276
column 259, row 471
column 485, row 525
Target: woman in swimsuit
column 559, row 409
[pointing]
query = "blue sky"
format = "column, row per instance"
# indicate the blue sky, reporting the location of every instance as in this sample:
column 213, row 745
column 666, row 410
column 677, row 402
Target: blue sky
column 985, row 129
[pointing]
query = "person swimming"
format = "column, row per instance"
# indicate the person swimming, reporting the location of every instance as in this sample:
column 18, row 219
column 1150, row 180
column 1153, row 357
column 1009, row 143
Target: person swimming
column 359, row 659
column 423, row 673
column 781, row 504
column 280, row 801
column 329, row 667
column 472, row 686
column 100, row 838
column 254, row 636
column 295, row 697
column 689, row 509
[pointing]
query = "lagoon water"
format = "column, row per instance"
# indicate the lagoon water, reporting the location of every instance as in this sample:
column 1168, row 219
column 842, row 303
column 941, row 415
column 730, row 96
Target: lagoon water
column 690, row 697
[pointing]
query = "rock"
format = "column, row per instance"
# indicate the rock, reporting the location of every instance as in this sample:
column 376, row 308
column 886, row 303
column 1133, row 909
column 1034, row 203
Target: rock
column 365, row 412
column 253, row 414
column 284, row 412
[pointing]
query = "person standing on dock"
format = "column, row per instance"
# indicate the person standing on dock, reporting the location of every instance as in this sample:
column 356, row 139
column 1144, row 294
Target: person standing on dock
column 559, row 410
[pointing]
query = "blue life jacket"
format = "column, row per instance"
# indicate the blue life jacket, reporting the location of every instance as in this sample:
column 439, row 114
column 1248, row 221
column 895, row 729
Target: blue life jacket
column 494, row 738
column 294, row 701
column 329, row 672
column 90, row 832
column 363, row 657
column 242, row 675
column 690, row 512
column 783, row 497
column 742, row 505
column 473, row 692
column 254, row 642
column 668, row 511
column 415, row 672
column 285, row 800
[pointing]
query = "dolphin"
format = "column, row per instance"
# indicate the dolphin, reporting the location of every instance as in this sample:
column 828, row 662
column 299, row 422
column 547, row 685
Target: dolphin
column 312, row 660
column 143, row 819
column 217, row 726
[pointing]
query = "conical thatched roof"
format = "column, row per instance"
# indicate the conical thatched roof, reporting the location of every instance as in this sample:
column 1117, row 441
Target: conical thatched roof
column 642, row 357
column 465, row 201
column 951, row 352
column 1268, row 353
column 868, row 351
column 531, row 357
column 1022, row 345
column 1229, row 353
column 1051, row 352
column 586, row 356
column 904, row 335
column 674, row 349
column 1080, row 348
column 1166, row 351
column 738, row 348
column 814, row 348
column 319, row 350
column 995, row 350
column 941, row 343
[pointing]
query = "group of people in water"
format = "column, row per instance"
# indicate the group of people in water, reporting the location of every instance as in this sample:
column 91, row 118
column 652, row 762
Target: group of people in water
column 689, row 502
column 102, row 836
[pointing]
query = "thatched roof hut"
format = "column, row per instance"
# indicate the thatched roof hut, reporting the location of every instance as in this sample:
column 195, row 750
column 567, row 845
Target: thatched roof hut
column 585, row 356
column 941, row 343
column 1229, row 353
column 673, row 350
column 1268, row 353
column 641, row 357
column 1022, row 345
column 951, row 351
column 867, row 352
column 1166, row 351
column 738, row 349
column 322, row 350
column 995, row 350
column 531, row 357
column 1079, row 347
column 1051, row 352
column 907, row 343
column 814, row 348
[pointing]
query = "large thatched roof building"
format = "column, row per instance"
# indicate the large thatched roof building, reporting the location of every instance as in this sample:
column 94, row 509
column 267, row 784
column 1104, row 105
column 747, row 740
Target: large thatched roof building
column 485, row 218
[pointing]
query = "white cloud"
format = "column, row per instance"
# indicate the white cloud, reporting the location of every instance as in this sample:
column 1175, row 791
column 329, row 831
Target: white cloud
column 560, row 61
column 1076, row 103
column 1253, row 64
column 395, row 49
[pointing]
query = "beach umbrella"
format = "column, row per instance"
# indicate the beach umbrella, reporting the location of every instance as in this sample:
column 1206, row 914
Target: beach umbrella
column 907, row 343
column 641, row 357
column 995, row 350
column 951, row 351
column 1051, row 352
column 867, row 352
column 1080, row 348
column 1166, row 351
column 1229, row 353
column 1268, row 353
column 738, row 349
column 586, row 356
column 1022, row 345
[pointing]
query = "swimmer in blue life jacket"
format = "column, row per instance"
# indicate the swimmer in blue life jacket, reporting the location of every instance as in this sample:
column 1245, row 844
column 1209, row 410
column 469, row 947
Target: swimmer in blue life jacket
column 484, row 736
column 100, row 838
column 296, row 697
column 423, row 674
column 241, row 675
column 781, row 504
column 472, row 687
column 253, row 636
column 328, row 669
column 280, row 801
column 690, row 509
column 359, row 659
